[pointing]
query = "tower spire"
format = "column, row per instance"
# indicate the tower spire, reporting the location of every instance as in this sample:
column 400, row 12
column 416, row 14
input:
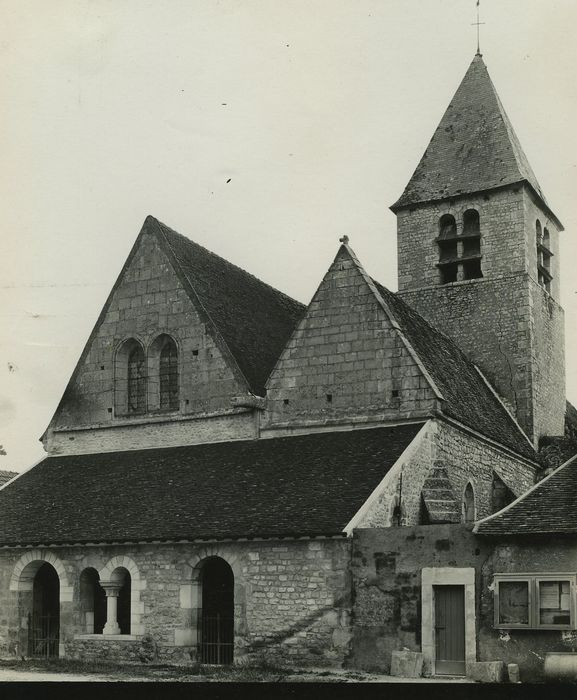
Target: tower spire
column 478, row 24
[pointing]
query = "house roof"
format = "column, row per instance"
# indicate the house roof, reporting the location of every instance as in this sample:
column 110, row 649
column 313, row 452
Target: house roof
column 467, row 395
column 547, row 508
column 254, row 319
column 6, row 476
column 473, row 149
column 310, row 484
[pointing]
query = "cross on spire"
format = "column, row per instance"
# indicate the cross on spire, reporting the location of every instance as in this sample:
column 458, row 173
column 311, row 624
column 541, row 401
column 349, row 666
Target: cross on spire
column 478, row 25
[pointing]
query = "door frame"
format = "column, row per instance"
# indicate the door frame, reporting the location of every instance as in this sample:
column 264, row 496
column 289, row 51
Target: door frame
column 447, row 576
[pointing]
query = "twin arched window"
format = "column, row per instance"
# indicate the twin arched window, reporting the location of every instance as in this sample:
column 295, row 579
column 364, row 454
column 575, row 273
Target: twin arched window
column 459, row 255
column 147, row 381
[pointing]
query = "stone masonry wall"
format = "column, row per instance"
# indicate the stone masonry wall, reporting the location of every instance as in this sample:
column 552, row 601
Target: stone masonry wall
column 386, row 572
column 149, row 300
column 345, row 360
column 525, row 647
column 502, row 222
column 291, row 600
column 189, row 430
column 466, row 459
column 496, row 320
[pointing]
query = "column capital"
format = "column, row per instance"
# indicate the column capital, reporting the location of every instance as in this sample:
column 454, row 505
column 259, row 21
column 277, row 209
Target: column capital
column 111, row 588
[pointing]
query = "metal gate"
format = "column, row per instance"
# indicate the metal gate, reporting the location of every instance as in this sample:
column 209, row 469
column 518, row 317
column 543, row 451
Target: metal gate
column 216, row 639
column 450, row 630
column 43, row 635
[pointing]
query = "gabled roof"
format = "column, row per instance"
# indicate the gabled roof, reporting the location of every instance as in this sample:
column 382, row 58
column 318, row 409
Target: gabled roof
column 304, row 485
column 474, row 148
column 6, row 476
column 251, row 320
column 254, row 319
column 548, row 508
column 466, row 394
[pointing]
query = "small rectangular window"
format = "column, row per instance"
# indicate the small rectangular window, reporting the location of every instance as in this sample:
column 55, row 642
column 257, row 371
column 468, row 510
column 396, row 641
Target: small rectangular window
column 513, row 603
column 554, row 602
column 535, row 601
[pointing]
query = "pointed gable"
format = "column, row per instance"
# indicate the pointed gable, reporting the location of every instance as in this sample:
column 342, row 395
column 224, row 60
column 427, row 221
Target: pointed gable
column 228, row 326
column 474, row 148
column 346, row 360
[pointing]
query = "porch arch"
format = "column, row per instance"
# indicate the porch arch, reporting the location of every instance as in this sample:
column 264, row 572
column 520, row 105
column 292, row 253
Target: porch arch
column 27, row 566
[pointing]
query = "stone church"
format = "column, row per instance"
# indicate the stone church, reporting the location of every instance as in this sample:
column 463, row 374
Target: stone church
column 218, row 442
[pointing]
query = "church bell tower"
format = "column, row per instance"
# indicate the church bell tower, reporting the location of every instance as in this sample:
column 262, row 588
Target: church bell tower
column 478, row 254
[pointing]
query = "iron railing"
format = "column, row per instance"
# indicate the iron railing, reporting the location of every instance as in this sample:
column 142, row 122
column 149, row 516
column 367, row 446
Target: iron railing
column 216, row 639
column 43, row 635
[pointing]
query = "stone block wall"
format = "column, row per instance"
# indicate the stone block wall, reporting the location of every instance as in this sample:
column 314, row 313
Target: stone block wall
column 291, row 600
column 387, row 575
column 502, row 222
column 525, row 647
column 513, row 331
column 467, row 459
column 148, row 301
column 236, row 424
column 345, row 360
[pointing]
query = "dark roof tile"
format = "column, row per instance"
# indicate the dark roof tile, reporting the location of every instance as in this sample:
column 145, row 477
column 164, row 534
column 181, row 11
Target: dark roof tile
column 473, row 149
column 468, row 397
column 254, row 319
column 547, row 508
column 310, row 484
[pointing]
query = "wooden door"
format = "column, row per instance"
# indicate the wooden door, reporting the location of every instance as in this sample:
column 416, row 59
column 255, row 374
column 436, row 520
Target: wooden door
column 450, row 630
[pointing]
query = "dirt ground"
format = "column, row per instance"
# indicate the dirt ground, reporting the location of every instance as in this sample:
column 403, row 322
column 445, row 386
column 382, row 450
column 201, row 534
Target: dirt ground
column 31, row 671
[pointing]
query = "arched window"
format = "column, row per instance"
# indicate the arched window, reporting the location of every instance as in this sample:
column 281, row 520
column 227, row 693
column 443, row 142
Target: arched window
column 469, row 504
column 118, row 596
column 459, row 255
column 163, row 373
column 544, row 254
column 130, row 378
column 136, row 381
column 92, row 602
column 471, row 254
column 169, row 376
column 447, row 242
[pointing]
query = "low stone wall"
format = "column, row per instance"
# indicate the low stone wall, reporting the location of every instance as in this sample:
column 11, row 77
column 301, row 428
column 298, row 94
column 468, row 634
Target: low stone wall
column 291, row 600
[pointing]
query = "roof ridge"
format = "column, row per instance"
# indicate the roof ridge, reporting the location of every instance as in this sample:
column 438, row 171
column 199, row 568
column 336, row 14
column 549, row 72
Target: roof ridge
column 228, row 262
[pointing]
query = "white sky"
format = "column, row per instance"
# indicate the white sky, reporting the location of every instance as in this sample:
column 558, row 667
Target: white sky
column 318, row 111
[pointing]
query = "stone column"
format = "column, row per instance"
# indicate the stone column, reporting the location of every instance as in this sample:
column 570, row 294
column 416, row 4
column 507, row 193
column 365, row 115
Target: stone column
column 112, row 589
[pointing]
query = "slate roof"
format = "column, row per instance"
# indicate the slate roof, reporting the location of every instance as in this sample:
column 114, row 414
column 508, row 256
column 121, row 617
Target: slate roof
column 310, row 484
column 6, row 476
column 468, row 398
column 548, row 508
column 254, row 319
column 474, row 148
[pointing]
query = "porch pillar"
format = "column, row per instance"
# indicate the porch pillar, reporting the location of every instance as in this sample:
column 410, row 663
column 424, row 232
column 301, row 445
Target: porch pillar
column 112, row 589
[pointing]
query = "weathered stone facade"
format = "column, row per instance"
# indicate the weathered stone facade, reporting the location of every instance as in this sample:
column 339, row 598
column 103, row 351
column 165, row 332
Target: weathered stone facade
column 291, row 599
column 345, row 362
column 504, row 321
column 149, row 300
column 387, row 570
column 466, row 459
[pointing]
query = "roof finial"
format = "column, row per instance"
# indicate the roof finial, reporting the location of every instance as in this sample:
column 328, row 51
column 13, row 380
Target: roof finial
column 344, row 239
column 478, row 25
